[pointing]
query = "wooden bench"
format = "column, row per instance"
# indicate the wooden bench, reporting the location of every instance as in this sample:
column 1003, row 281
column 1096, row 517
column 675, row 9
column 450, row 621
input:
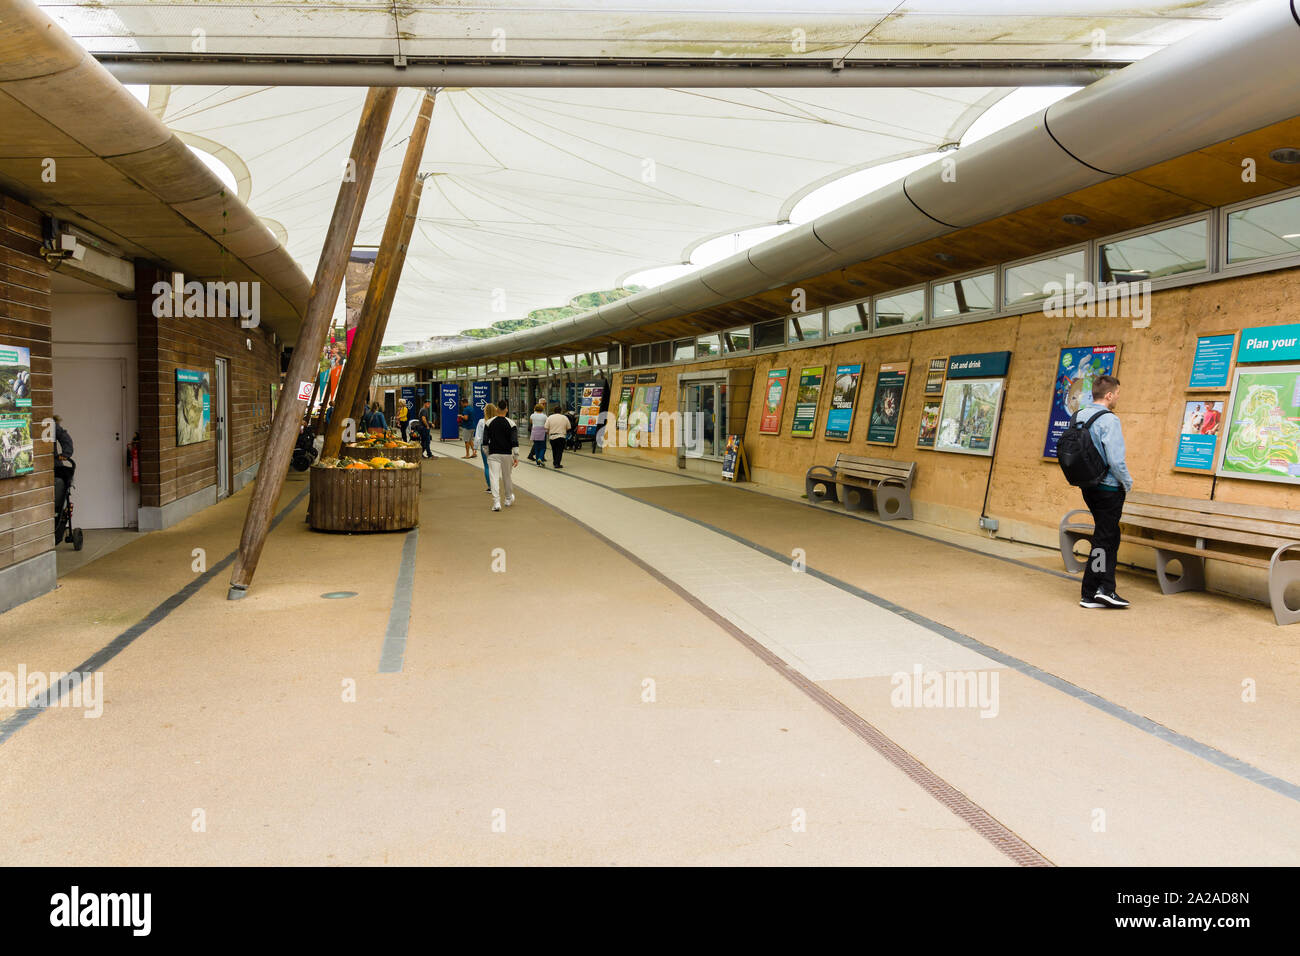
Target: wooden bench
column 1187, row 531
column 888, row 483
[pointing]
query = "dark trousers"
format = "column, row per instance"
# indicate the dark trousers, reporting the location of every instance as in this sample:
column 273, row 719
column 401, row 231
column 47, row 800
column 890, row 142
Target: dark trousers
column 1106, row 504
column 425, row 435
column 557, row 451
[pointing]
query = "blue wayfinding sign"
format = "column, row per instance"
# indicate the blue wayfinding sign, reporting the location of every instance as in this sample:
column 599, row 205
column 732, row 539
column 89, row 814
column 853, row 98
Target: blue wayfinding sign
column 449, row 401
column 1272, row 343
column 482, row 394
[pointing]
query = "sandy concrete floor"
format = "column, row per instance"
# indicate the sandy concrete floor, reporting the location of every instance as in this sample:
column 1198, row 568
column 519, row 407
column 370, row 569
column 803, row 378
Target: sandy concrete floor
column 557, row 704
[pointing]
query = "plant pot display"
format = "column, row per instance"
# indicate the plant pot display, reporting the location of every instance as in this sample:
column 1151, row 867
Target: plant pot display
column 395, row 450
column 378, row 494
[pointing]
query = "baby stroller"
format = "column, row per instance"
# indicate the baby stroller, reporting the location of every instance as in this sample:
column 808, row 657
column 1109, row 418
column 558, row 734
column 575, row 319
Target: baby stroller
column 64, row 469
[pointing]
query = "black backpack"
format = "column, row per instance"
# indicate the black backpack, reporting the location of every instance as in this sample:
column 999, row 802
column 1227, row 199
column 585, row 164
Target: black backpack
column 1079, row 458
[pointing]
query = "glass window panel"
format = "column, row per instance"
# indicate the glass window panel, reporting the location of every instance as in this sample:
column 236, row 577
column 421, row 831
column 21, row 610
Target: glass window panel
column 1027, row 282
column 1154, row 255
column 846, row 319
column 901, row 308
column 640, row 355
column 1263, row 231
column 806, row 328
column 736, row 340
column 708, row 345
column 769, row 333
column 962, row 296
column 661, row 353
column 683, row 349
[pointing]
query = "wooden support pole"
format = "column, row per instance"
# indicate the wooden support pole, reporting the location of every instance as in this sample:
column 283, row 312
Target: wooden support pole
column 386, row 303
column 368, row 324
column 305, row 364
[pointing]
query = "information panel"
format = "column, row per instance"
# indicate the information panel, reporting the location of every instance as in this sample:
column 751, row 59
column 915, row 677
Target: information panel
column 773, row 401
column 806, row 400
column 1076, row 370
column 844, row 392
column 1212, row 362
column 1199, row 435
column 887, row 404
column 1262, row 433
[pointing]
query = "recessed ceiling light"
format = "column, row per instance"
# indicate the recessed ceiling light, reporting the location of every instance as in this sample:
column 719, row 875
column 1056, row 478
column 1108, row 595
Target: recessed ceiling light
column 856, row 282
column 1289, row 155
column 945, row 257
column 1292, row 235
column 1074, row 219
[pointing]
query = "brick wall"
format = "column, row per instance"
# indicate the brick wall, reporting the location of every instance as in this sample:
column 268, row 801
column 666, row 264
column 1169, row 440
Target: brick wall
column 27, row 503
column 168, row 472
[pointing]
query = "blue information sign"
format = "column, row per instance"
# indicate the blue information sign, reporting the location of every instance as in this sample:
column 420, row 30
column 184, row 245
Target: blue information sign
column 1212, row 361
column 449, row 401
column 1272, row 343
column 480, row 397
column 1196, row 451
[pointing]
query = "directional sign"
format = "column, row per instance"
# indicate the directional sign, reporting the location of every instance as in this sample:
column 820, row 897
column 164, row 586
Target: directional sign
column 450, row 403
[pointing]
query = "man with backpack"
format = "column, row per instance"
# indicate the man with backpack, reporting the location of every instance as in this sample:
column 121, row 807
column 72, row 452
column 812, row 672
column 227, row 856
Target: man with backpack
column 1091, row 454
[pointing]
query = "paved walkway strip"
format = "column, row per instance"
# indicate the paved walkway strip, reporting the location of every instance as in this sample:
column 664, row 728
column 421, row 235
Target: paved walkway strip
column 399, row 618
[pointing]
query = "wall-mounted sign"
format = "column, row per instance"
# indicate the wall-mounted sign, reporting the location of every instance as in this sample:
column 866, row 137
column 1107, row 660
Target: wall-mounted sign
column 929, row 426
column 1212, row 362
column 934, row 377
column 1076, row 370
column 589, row 407
column 1199, row 436
column 194, row 405
column 979, row 365
column 480, row 398
column 449, row 412
column 844, row 392
column 968, row 417
column 806, row 400
column 624, row 405
column 17, row 451
column 646, row 377
column 1272, row 343
column 1262, row 435
column 773, row 401
column 15, row 378
column 887, row 404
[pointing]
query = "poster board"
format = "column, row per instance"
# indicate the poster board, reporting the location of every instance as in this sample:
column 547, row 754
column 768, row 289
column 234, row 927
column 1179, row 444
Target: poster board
column 806, row 399
column 17, row 450
column 193, row 406
column 935, row 375
column 1198, row 435
column 1212, row 362
column 735, row 466
column 624, row 405
column 15, row 379
column 773, row 401
column 1077, row 368
column 1262, row 426
column 887, row 404
column 589, row 407
column 969, row 416
column 844, row 393
column 641, row 419
column 928, row 428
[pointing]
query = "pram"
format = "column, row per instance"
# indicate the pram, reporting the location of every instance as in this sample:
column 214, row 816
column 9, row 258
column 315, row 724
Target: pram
column 64, row 469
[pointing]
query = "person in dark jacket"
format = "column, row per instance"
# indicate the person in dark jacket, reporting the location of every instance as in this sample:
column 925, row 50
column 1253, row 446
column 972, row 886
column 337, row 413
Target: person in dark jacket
column 501, row 439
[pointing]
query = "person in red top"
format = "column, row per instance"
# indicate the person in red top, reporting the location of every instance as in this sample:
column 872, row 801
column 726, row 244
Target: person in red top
column 1210, row 422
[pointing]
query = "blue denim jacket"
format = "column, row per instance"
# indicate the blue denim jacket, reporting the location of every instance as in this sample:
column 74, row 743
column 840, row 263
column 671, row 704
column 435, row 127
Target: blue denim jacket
column 1108, row 436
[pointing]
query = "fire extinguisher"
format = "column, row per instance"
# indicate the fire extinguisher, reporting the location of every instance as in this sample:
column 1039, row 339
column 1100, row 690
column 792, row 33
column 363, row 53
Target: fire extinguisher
column 133, row 458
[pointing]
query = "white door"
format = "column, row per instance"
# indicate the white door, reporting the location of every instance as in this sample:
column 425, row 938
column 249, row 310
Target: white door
column 90, row 398
column 219, row 411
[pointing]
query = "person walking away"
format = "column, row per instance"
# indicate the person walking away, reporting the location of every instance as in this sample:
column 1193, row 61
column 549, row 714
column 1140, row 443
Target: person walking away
column 377, row 419
column 489, row 413
column 465, row 421
column 502, row 441
column 537, row 433
column 1106, row 498
column 402, row 416
column 426, row 429
column 557, row 430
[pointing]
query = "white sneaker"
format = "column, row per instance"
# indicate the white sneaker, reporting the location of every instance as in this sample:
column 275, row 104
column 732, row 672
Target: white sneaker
column 496, row 506
column 510, row 501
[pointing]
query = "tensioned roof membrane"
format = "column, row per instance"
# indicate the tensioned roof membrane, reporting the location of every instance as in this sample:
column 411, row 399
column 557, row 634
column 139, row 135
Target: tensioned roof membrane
column 536, row 195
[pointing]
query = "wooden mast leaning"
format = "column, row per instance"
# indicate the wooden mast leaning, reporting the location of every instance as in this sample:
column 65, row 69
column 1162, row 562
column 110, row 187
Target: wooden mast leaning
column 305, row 363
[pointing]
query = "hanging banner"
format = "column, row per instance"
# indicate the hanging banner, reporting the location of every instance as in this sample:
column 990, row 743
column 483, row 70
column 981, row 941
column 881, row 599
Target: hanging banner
column 839, row 419
column 356, row 282
column 773, row 401
column 1198, row 437
column 449, row 402
column 887, row 404
column 806, row 400
column 1076, row 370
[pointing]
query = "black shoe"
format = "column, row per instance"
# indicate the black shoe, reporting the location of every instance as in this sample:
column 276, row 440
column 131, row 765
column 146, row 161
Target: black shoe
column 1110, row 599
column 1090, row 602
column 558, row 467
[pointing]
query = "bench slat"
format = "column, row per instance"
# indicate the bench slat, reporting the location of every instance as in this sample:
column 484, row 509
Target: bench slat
column 1199, row 552
column 1208, row 532
column 1280, row 515
column 1201, row 518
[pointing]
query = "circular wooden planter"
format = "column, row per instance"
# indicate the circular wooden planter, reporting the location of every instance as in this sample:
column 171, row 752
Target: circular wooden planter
column 370, row 500
column 414, row 455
